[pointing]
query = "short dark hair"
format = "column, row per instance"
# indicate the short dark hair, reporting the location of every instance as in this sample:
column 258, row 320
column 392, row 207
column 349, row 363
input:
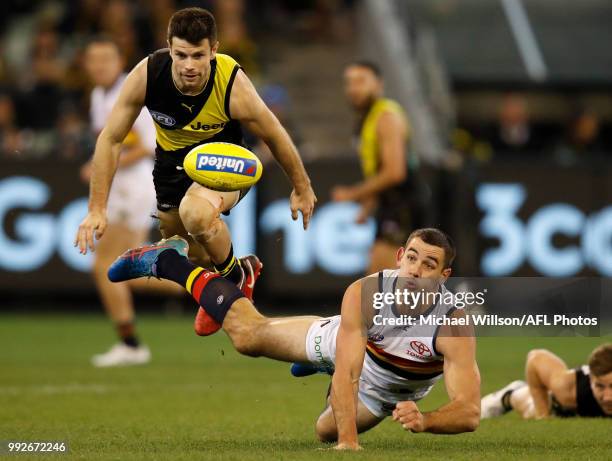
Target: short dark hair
column 600, row 360
column 370, row 65
column 438, row 238
column 193, row 25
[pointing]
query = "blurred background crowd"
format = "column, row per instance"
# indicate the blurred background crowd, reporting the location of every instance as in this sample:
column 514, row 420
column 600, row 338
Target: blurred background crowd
column 44, row 90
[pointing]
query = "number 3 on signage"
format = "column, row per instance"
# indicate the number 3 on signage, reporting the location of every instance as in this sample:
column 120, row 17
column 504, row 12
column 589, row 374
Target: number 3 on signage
column 501, row 202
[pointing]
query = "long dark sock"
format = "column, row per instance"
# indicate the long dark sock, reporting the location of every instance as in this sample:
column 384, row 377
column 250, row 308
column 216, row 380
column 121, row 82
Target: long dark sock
column 230, row 268
column 126, row 332
column 214, row 293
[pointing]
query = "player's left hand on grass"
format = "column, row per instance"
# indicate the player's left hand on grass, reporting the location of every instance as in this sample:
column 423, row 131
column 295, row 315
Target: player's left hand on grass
column 409, row 416
column 94, row 224
column 343, row 446
column 303, row 200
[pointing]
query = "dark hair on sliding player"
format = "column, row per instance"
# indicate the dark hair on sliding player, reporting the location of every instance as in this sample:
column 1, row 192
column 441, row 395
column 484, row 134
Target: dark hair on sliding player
column 600, row 360
column 370, row 65
column 437, row 238
column 193, row 25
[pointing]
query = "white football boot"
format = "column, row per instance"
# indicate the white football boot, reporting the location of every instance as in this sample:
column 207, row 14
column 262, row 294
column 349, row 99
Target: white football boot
column 122, row 355
column 491, row 404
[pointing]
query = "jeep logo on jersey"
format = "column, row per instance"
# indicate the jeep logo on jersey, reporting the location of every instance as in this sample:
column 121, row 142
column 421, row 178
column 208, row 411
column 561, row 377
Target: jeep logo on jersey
column 211, row 162
column 162, row 119
column 421, row 349
column 214, row 126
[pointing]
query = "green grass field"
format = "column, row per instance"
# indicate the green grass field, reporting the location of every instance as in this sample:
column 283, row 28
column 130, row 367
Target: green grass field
column 199, row 399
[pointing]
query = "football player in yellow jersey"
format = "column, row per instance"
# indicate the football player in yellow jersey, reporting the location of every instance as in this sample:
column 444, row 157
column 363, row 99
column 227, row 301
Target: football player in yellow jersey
column 382, row 135
column 195, row 95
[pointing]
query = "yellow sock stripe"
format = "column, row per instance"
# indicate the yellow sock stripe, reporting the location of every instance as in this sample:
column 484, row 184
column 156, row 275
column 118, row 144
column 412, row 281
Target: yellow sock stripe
column 229, row 267
column 194, row 273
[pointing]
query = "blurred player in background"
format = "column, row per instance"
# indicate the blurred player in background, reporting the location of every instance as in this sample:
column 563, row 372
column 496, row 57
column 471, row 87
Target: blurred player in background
column 195, row 96
column 552, row 389
column 380, row 370
column 390, row 188
column 131, row 199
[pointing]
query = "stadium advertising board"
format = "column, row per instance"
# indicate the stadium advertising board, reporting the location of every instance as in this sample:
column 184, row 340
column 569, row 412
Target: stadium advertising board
column 524, row 229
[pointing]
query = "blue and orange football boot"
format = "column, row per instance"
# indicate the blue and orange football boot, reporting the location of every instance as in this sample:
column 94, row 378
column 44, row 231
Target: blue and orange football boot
column 140, row 262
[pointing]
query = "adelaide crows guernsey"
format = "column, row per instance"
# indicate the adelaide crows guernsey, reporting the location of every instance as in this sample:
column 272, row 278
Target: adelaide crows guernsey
column 183, row 121
column 404, row 356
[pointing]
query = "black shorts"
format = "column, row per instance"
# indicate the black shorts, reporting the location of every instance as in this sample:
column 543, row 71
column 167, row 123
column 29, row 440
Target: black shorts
column 171, row 182
column 401, row 209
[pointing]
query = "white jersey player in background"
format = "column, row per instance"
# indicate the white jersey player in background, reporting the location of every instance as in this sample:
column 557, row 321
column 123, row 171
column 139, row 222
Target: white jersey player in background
column 131, row 201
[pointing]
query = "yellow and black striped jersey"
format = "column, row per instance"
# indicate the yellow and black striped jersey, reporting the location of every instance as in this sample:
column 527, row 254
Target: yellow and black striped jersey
column 184, row 121
column 368, row 136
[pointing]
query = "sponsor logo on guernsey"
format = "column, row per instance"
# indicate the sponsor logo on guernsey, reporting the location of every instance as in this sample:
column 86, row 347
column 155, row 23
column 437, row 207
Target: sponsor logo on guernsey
column 207, row 127
column 324, row 363
column 224, row 164
column 162, row 119
column 419, row 350
column 376, row 337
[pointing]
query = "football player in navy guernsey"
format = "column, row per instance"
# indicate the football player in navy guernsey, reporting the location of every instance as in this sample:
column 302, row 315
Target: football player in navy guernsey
column 194, row 95
column 553, row 389
column 379, row 369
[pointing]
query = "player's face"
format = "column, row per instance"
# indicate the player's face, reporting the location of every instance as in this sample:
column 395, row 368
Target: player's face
column 103, row 64
column 602, row 391
column 361, row 86
column 191, row 63
column 420, row 260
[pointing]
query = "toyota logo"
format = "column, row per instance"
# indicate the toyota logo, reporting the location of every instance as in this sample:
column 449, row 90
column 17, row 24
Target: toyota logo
column 420, row 348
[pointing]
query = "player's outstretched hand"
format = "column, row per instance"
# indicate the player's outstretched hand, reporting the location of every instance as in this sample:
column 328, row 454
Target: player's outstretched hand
column 409, row 416
column 303, row 200
column 93, row 224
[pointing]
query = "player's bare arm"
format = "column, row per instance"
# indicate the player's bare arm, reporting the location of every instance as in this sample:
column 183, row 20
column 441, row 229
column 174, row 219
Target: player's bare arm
column 247, row 107
column 106, row 155
column 392, row 133
column 546, row 373
column 462, row 381
column 350, row 351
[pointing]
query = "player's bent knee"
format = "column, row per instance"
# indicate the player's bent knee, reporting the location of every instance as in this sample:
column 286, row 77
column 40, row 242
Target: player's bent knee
column 472, row 421
column 198, row 215
column 325, row 433
column 325, row 427
column 244, row 336
column 246, row 341
column 536, row 354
